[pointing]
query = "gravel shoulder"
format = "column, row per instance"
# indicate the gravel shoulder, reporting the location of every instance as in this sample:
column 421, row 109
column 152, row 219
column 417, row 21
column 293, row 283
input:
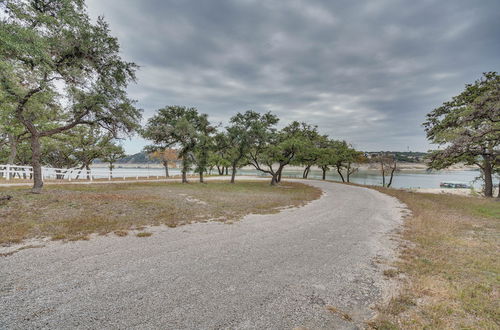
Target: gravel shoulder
column 274, row 271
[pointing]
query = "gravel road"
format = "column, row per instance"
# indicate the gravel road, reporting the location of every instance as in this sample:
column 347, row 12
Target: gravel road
column 279, row 271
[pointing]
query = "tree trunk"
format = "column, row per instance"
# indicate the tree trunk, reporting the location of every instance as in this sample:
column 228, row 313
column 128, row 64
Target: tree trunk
column 184, row 171
column 340, row 173
column 324, row 173
column 274, row 179
column 348, row 175
column 392, row 175
column 87, row 167
column 201, row 177
column 36, row 154
column 498, row 195
column 111, row 170
column 165, row 164
column 79, row 172
column 383, row 176
column 233, row 174
column 488, row 180
column 227, row 170
column 280, row 170
column 306, row 172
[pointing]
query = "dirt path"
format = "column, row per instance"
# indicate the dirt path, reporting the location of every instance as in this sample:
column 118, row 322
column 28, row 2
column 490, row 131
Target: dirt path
column 274, row 271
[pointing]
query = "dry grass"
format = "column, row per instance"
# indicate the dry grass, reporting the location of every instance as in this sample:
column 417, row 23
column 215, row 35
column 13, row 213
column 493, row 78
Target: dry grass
column 451, row 266
column 67, row 212
column 338, row 312
column 143, row 234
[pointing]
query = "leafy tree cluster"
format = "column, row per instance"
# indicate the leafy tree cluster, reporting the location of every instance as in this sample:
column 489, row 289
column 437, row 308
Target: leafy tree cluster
column 63, row 103
column 250, row 138
column 75, row 148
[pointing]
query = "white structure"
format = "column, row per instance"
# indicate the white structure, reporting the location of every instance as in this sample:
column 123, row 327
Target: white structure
column 16, row 172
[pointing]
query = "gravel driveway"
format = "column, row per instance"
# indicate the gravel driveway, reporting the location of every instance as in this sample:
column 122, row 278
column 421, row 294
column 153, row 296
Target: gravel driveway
column 279, row 271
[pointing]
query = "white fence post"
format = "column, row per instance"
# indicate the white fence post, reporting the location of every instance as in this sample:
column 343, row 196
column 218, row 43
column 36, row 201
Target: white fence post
column 12, row 172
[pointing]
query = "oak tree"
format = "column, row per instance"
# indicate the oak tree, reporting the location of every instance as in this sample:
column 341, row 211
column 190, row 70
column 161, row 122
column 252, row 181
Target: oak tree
column 59, row 70
column 468, row 129
column 180, row 127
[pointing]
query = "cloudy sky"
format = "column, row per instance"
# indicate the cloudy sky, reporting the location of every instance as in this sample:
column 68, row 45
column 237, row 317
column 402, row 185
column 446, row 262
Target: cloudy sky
column 364, row 71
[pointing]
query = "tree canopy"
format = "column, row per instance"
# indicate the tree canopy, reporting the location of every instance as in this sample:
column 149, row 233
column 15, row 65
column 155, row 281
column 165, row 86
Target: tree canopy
column 468, row 129
column 180, row 127
column 58, row 70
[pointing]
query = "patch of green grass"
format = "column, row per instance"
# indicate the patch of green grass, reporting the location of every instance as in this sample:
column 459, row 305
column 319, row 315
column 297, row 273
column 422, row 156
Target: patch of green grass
column 488, row 211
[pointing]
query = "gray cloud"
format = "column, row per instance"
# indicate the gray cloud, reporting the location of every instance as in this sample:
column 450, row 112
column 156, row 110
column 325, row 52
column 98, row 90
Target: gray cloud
column 364, row 71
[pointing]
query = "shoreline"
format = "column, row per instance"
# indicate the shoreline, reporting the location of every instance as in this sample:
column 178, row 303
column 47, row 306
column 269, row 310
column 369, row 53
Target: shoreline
column 402, row 167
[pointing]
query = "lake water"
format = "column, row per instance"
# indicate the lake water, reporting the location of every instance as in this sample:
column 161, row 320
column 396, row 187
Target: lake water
column 406, row 179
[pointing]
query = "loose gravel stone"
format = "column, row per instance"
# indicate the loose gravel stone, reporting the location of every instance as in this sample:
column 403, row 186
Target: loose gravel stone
column 278, row 271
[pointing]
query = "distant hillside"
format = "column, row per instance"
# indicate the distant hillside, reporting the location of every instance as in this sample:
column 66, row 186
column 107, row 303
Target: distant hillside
column 403, row 156
column 138, row 158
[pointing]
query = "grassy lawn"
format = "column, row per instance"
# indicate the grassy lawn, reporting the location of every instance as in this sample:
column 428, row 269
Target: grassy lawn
column 73, row 212
column 450, row 270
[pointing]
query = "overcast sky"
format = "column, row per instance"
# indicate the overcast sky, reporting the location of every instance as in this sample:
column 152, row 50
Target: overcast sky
column 363, row 71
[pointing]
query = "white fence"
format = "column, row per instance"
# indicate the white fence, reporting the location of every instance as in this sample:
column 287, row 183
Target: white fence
column 14, row 172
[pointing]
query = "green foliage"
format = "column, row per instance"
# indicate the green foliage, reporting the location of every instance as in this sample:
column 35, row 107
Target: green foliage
column 241, row 134
column 277, row 147
column 184, row 128
column 80, row 147
column 468, row 125
column 468, row 128
column 111, row 153
column 59, row 70
column 59, row 152
column 204, row 144
column 89, row 143
column 219, row 155
column 44, row 42
column 173, row 126
column 338, row 154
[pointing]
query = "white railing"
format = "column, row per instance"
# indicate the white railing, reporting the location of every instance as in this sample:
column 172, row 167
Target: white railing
column 13, row 172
